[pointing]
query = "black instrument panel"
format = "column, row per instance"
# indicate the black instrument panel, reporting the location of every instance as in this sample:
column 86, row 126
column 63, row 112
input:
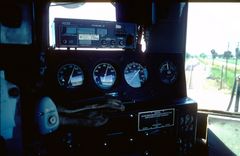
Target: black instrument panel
column 126, row 75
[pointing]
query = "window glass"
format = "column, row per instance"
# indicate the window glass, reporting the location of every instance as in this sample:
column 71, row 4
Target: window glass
column 212, row 55
column 20, row 33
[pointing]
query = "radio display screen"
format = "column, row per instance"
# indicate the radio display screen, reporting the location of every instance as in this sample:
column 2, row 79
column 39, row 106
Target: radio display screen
column 87, row 35
column 102, row 32
column 86, row 30
column 71, row 30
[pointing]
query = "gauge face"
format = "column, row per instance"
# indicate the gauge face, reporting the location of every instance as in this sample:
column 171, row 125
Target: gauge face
column 135, row 74
column 168, row 72
column 70, row 76
column 104, row 75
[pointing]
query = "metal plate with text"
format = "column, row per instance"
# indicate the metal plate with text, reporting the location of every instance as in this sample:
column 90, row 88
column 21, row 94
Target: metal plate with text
column 156, row 119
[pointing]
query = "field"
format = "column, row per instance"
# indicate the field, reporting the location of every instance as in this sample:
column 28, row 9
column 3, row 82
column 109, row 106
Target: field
column 223, row 73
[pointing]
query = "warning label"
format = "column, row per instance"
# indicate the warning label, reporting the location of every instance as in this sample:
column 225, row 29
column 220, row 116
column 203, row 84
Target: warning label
column 156, row 119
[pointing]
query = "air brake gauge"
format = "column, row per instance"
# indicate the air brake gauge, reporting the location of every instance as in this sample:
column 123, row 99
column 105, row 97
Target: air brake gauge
column 168, row 72
column 135, row 74
column 104, row 75
column 70, row 76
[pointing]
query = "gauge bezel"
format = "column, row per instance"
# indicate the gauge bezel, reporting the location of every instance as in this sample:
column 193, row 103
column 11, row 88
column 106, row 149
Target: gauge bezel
column 171, row 79
column 94, row 76
column 60, row 68
column 142, row 67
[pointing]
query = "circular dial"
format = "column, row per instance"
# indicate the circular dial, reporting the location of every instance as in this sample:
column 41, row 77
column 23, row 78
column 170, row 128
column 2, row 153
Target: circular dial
column 168, row 72
column 104, row 75
column 135, row 74
column 70, row 76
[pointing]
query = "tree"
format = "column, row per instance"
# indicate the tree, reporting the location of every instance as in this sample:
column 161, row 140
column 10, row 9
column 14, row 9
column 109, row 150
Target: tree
column 203, row 55
column 188, row 55
column 237, row 54
column 227, row 54
column 214, row 55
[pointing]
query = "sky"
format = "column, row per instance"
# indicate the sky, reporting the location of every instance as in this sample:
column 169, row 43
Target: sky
column 101, row 11
column 213, row 26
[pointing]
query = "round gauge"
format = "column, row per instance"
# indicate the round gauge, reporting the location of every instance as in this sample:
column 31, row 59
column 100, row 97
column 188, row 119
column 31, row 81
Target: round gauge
column 135, row 74
column 168, row 72
column 70, row 76
column 104, row 75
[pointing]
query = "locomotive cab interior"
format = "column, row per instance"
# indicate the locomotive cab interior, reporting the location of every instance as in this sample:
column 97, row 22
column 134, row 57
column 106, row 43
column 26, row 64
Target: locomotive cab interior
column 74, row 85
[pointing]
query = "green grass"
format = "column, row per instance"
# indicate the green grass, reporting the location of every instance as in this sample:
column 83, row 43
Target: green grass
column 227, row 79
column 230, row 61
column 216, row 71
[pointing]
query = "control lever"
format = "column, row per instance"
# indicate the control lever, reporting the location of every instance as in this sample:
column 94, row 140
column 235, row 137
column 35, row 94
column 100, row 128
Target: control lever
column 90, row 116
column 110, row 103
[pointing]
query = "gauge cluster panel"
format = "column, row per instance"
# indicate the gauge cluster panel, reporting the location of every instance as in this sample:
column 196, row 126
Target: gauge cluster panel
column 126, row 75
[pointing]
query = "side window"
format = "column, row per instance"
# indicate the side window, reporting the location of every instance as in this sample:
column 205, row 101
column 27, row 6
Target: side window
column 16, row 24
column 212, row 55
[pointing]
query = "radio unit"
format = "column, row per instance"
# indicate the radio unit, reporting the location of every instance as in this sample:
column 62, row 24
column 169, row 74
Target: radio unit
column 80, row 33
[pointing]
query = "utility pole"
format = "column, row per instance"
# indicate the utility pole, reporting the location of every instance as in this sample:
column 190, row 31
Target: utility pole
column 237, row 53
column 227, row 55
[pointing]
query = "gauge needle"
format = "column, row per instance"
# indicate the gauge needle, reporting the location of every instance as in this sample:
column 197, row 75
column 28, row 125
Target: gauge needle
column 70, row 77
column 167, row 66
column 136, row 73
column 105, row 74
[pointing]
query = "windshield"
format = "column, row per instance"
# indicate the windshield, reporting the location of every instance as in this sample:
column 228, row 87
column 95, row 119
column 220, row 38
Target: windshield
column 212, row 54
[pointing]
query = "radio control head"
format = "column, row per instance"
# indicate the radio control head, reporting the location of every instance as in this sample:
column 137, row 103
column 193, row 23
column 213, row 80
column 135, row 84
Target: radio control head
column 46, row 116
column 64, row 41
column 104, row 42
column 121, row 43
column 112, row 42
